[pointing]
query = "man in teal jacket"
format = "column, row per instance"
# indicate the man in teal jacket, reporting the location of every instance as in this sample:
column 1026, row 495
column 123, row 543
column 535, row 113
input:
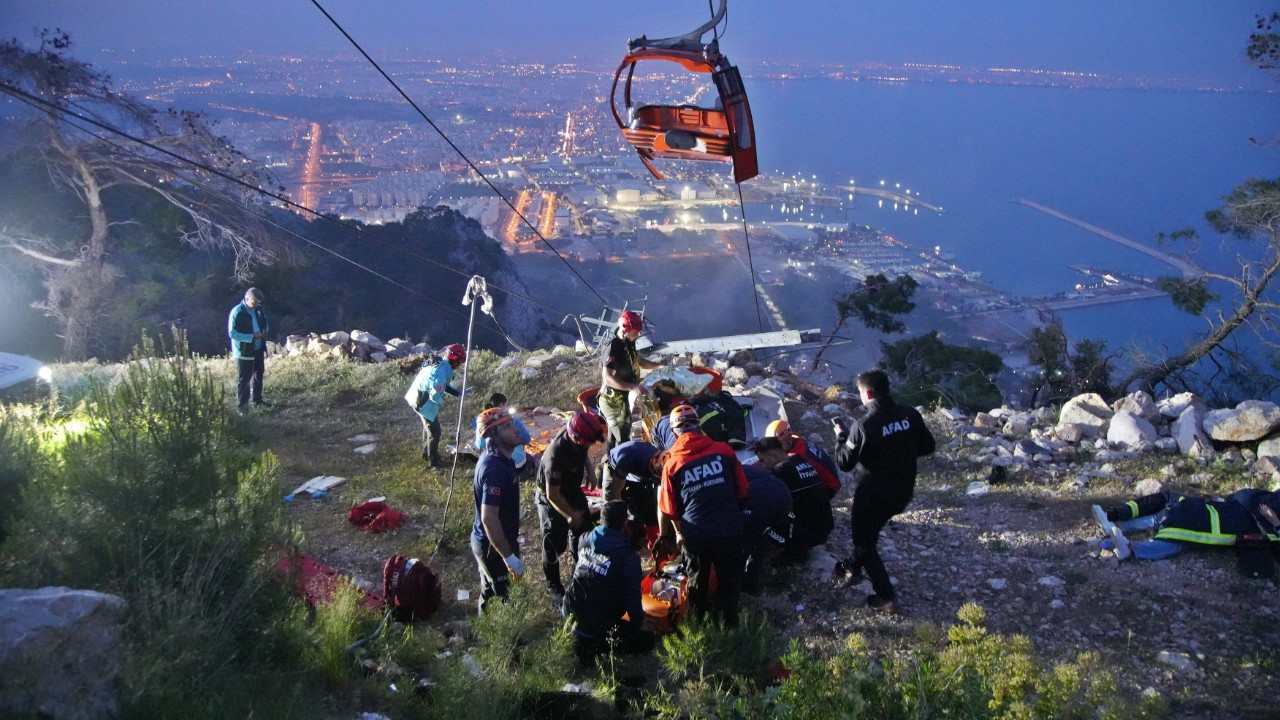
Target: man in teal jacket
column 426, row 395
column 247, row 327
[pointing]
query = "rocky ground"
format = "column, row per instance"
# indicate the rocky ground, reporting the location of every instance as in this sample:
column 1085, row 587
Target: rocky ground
column 1026, row 549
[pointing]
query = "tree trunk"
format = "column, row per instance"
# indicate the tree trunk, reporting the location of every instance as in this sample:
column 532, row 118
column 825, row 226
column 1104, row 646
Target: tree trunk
column 83, row 288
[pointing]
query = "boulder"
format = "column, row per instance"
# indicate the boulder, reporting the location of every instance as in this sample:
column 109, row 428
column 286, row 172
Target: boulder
column 985, row 421
column 1187, row 433
column 537, row 361
column 369, row 339
column 337, row 337
column 377, row 357
column 1148, row 486
column 735, row 376
column 1088, row 410
column 296, row 343
column 1139, row 403
column 741, row 357
column 316, row 346
column 1173, row 407
column 1269, row 447
column 1070, row 432
column 529, row 373
column 700, row 360
column 1268, row 468
column 1250, row 420
column 1018, row 423
column 1131, row 431
column 60, row 653
column 754, row 368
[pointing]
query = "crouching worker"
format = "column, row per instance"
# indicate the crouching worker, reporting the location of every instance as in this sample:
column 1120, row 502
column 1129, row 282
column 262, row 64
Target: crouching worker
column 603, row 598
column 767, row 521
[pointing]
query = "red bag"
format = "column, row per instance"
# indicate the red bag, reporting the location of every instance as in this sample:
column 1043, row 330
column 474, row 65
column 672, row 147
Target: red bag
column 410, row 589
column 375, row 517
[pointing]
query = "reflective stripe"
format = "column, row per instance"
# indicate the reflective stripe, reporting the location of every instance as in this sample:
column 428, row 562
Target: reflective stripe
column 1215, row 526
column 1133, row 508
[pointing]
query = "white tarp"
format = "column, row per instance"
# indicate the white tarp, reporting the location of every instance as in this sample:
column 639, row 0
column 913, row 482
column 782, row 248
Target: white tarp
column 17, row 368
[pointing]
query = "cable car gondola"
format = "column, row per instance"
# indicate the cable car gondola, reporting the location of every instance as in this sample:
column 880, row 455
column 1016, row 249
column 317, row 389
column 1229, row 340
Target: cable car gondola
column 688, row 132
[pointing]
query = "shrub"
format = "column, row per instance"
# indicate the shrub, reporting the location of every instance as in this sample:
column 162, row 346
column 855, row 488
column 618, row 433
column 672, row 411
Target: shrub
column 18, row 453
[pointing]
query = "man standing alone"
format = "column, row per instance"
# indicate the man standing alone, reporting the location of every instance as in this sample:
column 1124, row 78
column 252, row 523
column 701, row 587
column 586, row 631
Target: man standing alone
column 426, row 395
column 886, row 442
column 247, row 327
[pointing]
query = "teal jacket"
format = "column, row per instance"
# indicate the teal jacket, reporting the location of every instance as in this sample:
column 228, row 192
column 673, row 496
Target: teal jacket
column 426, row 394
column 242, row 324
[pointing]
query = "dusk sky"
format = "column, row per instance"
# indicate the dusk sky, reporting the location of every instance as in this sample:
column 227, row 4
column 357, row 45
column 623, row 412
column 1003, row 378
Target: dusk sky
column 1158, row 38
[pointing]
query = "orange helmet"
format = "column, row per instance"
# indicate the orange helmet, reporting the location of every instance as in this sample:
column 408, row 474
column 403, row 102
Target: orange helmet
column 630, row 321
column 779, row 429
column 490, row 419
column 684, row 417
column 585, row 428
column 455, row 353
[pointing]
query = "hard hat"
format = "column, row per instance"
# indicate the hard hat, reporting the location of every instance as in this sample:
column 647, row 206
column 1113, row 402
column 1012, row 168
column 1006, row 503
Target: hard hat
column 585, row 428
column 630, row 321
column 656, row 462
column 490, row 419
column 778, row 429
column 455, row 353
column 684, row 417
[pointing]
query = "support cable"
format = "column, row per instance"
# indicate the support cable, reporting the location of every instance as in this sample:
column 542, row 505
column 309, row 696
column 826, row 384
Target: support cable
column 751, row 266
column 456, row 149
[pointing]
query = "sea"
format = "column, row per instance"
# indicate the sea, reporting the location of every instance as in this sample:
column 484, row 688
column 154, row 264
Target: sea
column 1133, row 162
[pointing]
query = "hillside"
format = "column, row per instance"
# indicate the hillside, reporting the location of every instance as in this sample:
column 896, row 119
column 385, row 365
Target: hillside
column 1191, row 629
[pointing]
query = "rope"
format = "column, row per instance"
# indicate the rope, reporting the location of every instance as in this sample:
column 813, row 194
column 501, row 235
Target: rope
column 477, row 288
column 751, row 265
column 456, row 149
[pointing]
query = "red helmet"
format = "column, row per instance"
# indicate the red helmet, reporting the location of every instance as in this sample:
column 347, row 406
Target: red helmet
column 630, row 321
column 684, row 417
column 585, row 428
column 455, row 353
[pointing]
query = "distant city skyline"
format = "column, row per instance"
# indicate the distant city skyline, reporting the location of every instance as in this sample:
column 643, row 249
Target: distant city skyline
column 1181, row 38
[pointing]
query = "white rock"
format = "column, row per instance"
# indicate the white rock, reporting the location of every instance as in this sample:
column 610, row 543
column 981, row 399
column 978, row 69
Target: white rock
column 977, row 489
column 529, row 373
column 337, row 337
column 1056, row 604
column 1187, row 433
column 366, row 449
column 507, row 363
column 1148, row 486
column 1051, row 581
column 1177, row 660
column 1070, row 432
column 1250, row 420
column 1174, row 406
column 1131, row 431
column 537, row 361
column 1089, row 410
column 953, row 414
column 369, row 339
column 1139, row 403
column 1269, row 447
column 997, row 583
column 1167, row 446
column 735, row 376
column 363, row 438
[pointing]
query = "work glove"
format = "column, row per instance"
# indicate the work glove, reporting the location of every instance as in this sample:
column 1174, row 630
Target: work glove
column 515, row 565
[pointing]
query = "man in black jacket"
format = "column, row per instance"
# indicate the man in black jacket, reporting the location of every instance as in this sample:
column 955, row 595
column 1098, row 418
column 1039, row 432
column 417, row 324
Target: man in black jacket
column 886, row 442
column 606, row 586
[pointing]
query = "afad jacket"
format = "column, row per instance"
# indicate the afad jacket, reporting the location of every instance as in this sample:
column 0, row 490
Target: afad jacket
column 820, row 461
column 242, row 323
column 426, row 393
column 702, row 486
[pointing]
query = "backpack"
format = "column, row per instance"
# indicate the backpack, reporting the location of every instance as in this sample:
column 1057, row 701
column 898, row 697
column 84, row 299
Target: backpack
column 375, row 516
column 721, row 417
column 410, row 590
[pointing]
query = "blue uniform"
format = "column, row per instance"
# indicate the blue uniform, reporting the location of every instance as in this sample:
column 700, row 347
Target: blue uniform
column 495, row 485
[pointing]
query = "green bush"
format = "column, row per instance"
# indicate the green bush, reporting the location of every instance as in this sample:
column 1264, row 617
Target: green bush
column 145, row 495
column 18, row 454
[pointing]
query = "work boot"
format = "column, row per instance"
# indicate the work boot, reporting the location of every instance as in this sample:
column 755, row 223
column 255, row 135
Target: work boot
column 884, row 605
column 847, row 574
column 261, row 403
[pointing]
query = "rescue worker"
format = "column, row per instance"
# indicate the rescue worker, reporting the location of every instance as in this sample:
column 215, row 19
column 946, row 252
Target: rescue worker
column 426, row 395
column 766, row 522
column 1179, row 520
column 563, row 513
column 640, row 465
column 247, row 327
column 619, row 378
column 499, row 400
column 809, row 501
column 497, row 501
column 793, row 444
column 699, row 505
column 886, row 442
column 605, row 587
